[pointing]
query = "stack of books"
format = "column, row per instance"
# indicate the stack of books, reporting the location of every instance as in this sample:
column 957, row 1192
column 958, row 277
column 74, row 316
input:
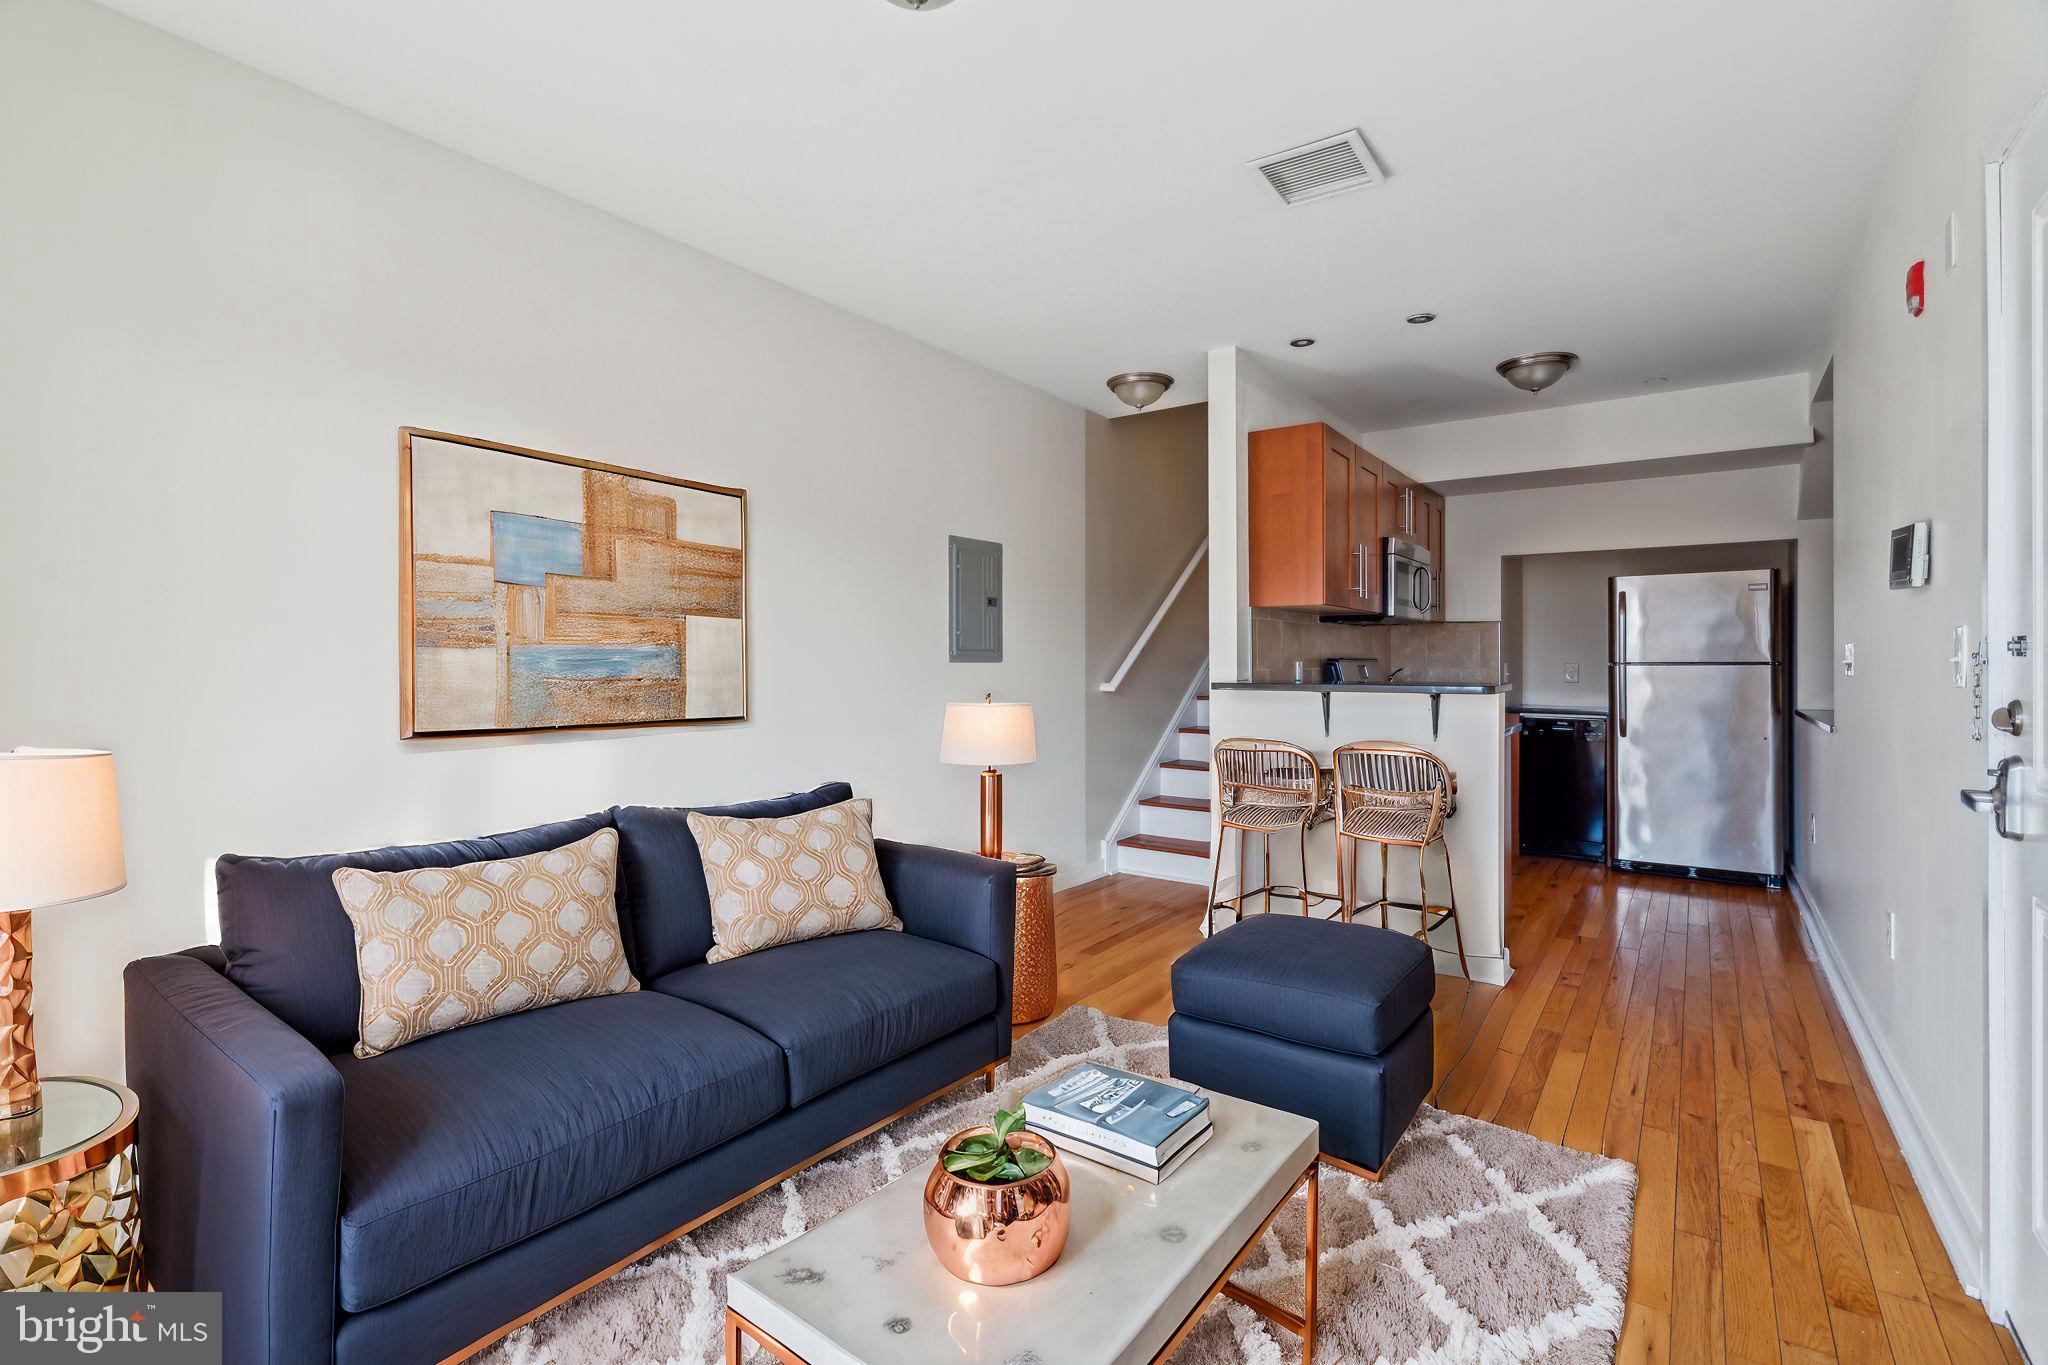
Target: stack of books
column 1134, row 1124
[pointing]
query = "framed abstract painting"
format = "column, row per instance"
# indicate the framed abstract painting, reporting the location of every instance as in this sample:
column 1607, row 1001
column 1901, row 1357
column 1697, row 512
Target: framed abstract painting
column 543, row 592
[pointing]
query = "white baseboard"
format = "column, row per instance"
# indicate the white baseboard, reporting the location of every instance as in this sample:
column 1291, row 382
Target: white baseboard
column 1962, row 1232
column 1080, row 876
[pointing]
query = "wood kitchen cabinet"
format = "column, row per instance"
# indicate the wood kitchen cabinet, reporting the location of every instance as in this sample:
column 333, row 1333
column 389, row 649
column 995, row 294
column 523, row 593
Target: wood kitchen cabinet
column 1429, row 527
column 1319, row 508
column 1313, row 520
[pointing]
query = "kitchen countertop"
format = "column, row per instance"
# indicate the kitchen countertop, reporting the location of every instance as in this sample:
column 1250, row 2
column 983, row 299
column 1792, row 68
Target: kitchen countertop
column 1575, row 712
column 1447, row 689
column 1823, row 718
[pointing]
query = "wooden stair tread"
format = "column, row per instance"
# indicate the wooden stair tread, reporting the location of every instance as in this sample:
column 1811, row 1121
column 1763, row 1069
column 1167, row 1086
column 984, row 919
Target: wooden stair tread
column 1194, row 729
column 1160, row 843
column 1190, row 765
column 1200, row 803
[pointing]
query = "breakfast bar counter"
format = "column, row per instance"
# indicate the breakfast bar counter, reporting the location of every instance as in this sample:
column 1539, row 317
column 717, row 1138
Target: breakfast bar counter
column 1460, row 722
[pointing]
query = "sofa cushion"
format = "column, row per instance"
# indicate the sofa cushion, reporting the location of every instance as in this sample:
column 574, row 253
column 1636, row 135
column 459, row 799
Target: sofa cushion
column 1347, row 987
column 288, row 942
column 664, row 909
column 792, row 878
column 461, row 1144
column 441, row 947
column 842, row 1006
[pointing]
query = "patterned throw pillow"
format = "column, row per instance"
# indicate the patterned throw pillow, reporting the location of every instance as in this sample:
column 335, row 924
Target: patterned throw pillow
column 791, row 878
column 440, row 947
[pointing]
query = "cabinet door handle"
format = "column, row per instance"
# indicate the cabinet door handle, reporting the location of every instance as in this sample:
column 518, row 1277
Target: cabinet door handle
column 1359, row 555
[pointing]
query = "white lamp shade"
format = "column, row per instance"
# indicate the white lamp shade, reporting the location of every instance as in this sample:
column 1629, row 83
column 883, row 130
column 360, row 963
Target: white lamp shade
column 989, row 734
column 60, row 828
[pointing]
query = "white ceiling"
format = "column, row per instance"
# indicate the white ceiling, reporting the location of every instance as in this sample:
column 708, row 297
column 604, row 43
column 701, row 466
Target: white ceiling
column 1054, row 188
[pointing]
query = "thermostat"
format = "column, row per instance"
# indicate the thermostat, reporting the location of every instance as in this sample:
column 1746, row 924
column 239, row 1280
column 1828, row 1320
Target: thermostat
column 1910, row 555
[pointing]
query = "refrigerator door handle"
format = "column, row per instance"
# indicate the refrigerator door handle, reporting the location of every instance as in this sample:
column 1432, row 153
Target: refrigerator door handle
column 1621, row 667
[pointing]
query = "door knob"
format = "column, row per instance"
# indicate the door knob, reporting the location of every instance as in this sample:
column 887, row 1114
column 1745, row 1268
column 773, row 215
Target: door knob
column 2010, row 718
column 1993, row 798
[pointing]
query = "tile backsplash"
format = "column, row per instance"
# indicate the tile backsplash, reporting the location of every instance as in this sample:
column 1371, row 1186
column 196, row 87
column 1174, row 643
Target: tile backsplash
column 1434, row 651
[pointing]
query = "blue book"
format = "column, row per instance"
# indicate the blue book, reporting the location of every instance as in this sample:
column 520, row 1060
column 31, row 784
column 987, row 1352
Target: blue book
column 1134, row 1115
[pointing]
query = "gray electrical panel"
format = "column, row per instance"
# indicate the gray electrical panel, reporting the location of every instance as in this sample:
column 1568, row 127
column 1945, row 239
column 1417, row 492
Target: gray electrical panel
column 975, row 568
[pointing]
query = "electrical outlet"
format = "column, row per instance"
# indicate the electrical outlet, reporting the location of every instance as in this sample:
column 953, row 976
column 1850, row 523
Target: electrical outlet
column 1813, row 831
column 1848, row 661
column 1891, row 935
column 1571, row 672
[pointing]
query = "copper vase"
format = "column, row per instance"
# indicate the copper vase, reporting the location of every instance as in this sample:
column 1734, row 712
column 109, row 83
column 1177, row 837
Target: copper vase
column 997, row 1234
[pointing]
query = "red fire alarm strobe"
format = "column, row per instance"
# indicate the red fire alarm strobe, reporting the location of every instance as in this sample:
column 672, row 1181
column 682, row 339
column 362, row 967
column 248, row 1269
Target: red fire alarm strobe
column 1916, row 288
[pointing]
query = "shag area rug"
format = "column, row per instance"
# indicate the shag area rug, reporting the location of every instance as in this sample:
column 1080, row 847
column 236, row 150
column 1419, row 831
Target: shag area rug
column 1479, row 1244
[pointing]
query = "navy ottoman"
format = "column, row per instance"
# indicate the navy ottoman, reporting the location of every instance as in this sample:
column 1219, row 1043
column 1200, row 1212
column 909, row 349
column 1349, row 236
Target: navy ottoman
column 1330, row 1021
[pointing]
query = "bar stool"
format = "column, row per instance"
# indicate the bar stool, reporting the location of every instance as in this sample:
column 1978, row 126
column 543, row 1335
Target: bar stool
column 1395, row 795
column 1267, row 787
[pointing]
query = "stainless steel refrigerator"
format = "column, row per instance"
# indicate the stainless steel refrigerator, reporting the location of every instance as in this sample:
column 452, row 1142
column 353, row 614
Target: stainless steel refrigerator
column 1696, row 683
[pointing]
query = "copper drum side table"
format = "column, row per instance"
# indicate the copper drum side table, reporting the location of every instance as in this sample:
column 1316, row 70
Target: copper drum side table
column 70, row 1204
column 1036, row 985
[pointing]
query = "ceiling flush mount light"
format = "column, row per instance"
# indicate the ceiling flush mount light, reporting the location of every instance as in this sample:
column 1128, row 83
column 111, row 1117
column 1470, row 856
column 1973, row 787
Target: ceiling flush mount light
column 1302, row 343
column 1141, row 388
column 1660, row 379
column 1418, row 319
column 1538, row 371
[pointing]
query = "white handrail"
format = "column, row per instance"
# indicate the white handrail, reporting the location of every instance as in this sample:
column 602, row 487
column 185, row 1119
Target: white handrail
column 1172, row 595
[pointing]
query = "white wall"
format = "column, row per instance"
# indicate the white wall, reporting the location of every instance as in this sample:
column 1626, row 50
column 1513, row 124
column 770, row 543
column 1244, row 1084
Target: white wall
column 1909, row 441
column 223, row 296
column 1756, row 414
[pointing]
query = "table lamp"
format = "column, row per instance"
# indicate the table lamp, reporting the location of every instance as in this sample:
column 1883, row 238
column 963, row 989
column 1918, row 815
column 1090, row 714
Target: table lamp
column 60, row 841
column 988, row 733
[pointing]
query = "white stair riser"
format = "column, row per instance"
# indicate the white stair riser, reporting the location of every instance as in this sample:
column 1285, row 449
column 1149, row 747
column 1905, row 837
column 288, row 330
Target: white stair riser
column 1175, row 824
column 1173, row 867
column 1197, row 713
column 1193, row 746
column 1183, row 782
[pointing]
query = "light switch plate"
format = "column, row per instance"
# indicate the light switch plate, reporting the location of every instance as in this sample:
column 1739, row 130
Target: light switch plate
column 1571, row 673
column 1959, row 662
column 1848, row 661
column 1951, row 247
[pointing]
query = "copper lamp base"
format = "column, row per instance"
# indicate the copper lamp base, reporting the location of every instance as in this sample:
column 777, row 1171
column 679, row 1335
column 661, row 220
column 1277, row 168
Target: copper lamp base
column 991, row 813
column 20, row 1092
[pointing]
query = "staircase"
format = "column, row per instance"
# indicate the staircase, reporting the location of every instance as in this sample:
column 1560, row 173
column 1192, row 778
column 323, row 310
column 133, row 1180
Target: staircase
column 1164, row 831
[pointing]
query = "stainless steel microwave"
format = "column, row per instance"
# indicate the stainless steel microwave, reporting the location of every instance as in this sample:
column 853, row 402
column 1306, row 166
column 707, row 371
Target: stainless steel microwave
column 1410, row 581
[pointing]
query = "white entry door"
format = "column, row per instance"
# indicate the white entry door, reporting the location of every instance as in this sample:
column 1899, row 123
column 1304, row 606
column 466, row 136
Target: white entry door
column 2017, row 681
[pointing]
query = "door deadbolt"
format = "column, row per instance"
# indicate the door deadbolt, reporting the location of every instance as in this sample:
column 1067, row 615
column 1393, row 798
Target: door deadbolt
column 2010, row 718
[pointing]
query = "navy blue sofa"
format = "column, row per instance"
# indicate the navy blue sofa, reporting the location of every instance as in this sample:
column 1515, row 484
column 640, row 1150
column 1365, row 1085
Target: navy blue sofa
column 409, row 1207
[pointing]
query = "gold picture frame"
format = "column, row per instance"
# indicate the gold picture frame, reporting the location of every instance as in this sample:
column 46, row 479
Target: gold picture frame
column 573, row 606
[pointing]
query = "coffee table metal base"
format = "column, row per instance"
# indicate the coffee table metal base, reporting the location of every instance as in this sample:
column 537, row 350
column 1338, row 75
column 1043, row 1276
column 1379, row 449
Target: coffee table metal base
column 1302, row 1325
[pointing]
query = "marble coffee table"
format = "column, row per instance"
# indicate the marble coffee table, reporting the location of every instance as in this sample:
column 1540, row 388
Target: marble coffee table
column 1141, row 1264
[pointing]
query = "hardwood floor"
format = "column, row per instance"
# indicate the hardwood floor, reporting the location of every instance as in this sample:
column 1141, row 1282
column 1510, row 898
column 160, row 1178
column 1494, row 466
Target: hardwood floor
column 1682, row 1026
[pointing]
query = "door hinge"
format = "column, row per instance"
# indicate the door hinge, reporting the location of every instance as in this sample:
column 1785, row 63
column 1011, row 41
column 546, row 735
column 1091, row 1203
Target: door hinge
column 2017, row 646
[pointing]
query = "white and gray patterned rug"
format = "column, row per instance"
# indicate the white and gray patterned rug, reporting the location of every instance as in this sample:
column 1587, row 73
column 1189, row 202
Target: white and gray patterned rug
column 1481, row 1244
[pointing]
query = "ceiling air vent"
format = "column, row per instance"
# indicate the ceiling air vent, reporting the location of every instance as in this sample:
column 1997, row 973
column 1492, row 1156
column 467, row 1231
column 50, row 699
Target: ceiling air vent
column 1327, row 166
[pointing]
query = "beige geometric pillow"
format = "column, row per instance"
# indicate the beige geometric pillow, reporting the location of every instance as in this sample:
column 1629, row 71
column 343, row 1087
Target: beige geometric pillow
column 791, row 878
column 440, row 947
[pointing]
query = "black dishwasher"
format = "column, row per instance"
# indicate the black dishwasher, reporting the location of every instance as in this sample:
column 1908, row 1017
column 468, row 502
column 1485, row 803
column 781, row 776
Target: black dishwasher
column 1564, row 786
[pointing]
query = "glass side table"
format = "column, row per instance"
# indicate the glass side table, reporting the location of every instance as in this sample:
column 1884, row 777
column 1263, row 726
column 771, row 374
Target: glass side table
column 70, row 1205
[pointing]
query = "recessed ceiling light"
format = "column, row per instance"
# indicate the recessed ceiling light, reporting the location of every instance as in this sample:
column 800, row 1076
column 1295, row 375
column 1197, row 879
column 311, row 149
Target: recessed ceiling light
column 1417, row 319
column 922, row 4
column 1302, row 343
column 1660, row 379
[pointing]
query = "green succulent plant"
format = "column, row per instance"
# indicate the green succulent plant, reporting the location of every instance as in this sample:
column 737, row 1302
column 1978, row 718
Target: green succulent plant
column 988, row 1158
